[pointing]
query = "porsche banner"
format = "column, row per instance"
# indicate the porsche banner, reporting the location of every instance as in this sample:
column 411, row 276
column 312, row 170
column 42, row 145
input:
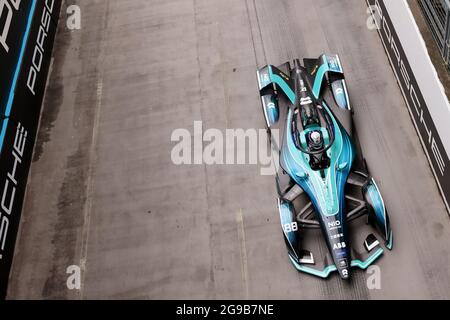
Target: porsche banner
column 27, row 31
column 417, row 105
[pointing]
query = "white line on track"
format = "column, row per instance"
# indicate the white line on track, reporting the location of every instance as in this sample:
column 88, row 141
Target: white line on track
column 243, row 249
column 93, row 155
column 90, row 183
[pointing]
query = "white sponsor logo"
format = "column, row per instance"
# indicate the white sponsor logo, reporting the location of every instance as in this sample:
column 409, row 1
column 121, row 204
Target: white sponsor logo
column 337, row 236
column 39, row 46
column 7, row 9
column 10, row 185
column 334, row 224
column 305, row 101
column 339, row 245
column 271, row 105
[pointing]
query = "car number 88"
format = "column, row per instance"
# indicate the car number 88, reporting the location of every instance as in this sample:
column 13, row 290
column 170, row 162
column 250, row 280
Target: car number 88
column 290, row 227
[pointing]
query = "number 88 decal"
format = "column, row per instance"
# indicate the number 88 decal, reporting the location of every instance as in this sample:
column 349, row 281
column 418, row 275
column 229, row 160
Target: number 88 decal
column 290, row 227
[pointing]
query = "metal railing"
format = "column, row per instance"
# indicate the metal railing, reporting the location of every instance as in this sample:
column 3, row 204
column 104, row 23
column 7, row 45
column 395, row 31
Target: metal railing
column 437, row 15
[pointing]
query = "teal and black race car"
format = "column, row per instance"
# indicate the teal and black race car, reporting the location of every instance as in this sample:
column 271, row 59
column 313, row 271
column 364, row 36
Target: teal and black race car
column 324, row 186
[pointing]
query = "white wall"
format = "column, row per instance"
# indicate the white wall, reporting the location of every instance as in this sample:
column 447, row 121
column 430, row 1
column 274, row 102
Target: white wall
column 424, row 71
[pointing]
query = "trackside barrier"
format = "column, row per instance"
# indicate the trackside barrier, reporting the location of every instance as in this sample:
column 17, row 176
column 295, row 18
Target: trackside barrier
column 423, row 92
column 437, row 15
column 27, row 31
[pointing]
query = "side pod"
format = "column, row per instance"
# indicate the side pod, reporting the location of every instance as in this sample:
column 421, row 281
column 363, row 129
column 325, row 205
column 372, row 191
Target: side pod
column 377, row 211
column 290, row 227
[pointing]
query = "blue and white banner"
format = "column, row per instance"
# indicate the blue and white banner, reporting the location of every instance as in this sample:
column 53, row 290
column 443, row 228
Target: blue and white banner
column 27, row 31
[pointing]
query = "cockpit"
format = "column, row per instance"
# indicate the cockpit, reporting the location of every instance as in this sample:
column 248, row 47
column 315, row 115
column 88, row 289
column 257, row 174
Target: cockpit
column 312, row 127
column 315, row 141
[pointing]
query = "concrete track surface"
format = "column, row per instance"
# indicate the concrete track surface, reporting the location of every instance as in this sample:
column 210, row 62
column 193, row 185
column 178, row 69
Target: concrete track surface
column 104, row 194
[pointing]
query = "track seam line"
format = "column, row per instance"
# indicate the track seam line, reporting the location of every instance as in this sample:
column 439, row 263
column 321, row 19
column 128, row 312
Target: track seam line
column 92, row 159
column 90, row 185
column 244, row 260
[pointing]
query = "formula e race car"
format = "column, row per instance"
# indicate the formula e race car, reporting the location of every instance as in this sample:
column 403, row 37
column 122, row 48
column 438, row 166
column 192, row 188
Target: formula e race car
column 325, row 191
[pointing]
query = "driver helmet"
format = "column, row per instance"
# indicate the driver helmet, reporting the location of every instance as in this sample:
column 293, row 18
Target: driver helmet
column 316, row 138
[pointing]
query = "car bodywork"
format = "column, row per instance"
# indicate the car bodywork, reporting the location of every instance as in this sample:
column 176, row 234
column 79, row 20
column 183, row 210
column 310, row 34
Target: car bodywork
column 328, row 188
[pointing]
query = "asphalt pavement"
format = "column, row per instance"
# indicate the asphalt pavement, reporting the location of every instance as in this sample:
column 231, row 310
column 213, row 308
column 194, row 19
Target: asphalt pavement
column 104, row 195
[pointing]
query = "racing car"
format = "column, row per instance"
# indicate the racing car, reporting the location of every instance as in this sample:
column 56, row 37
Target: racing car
column 323, row 182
